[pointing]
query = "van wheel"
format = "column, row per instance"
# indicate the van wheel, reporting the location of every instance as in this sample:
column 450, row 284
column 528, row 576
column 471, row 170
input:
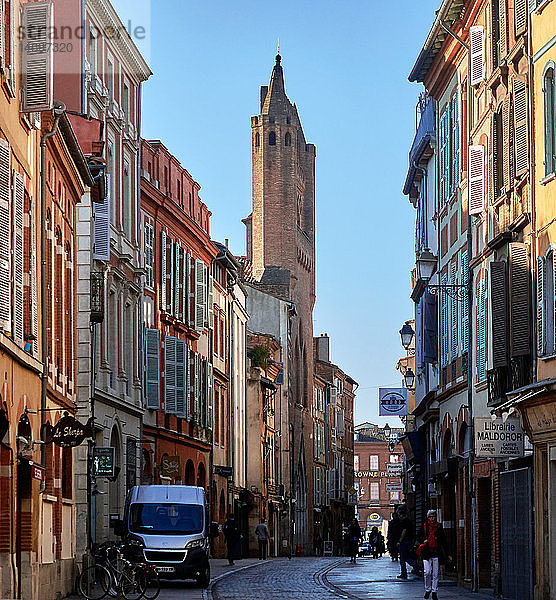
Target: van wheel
column 204, row 578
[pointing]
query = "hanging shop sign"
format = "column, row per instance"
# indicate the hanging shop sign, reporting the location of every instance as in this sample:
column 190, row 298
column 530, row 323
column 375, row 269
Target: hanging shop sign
column 69, row 432
column 394, row 487
column 38, row 472
column 103, row 461
column 170, row 466
column 394, row 469
column 224, row 471
column 392, row 402
column 374, row 519
column 497, row 438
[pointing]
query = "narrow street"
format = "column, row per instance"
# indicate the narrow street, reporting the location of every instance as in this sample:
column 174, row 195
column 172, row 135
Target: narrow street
column 310, row 579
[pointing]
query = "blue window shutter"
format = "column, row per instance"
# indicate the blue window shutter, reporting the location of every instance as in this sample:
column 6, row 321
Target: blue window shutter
column 170, row 397
column 454, row 311
column 541, row 319
column 454, row 114
column 481, row 333
column 444, row 321
column 152, row 368
column 181, row 372
column 429, row 331
column 465, row 304
column 549, row 123
column 443, row 157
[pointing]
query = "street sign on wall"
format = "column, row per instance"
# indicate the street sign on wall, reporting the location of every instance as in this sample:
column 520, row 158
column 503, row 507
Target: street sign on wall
column 392, row 402
column 497, row 438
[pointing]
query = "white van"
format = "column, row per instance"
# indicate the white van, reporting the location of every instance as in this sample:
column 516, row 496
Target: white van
column 170, row 522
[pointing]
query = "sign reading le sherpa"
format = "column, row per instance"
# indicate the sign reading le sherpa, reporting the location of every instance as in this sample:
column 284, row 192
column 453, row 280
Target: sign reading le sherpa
column 498, row 438
column 392, row 402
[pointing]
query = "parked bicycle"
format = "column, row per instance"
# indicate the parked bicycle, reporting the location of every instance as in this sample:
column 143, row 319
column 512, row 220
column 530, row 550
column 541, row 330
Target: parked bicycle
column 114, row 575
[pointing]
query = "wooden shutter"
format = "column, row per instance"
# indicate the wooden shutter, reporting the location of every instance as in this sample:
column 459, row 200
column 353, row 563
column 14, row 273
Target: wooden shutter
column 465, row 303
column 5, row 239
column 170, row 276
column 170, row 355
column 454, row 122
column 444, row 320
column 429, row 320
column 549, row 124
column 503, row 19
column 477, row 49
column 37, row 56
column 210, row 300
column 179, row 283
column 481, row 333
column 453, row 312
column 200, row 300
column 152, row 368
column 17, row 265
column 520, row 16
column 181, row 374
column 520, row 312
column 163, row 271
column 34, row 282
column 507, row 143
column 443, row 152
column 101, row 218
column 210, row 395
column 521, row 141
column 533, row 5
column 196, row 387
column 187, row 290
column 476, row 179
column 499, row 304
column 541, row 318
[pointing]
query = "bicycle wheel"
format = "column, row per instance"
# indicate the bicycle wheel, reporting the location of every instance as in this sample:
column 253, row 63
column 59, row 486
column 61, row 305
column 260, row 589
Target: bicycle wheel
column 153, row 584
column 133, row 582
column 94, row 582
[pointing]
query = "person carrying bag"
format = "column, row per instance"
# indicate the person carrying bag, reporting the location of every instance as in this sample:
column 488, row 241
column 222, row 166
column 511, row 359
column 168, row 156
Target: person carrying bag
column 433, row 551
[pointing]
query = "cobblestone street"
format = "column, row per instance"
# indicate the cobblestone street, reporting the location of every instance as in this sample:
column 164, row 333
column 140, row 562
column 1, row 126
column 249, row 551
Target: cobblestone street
column 310, row 579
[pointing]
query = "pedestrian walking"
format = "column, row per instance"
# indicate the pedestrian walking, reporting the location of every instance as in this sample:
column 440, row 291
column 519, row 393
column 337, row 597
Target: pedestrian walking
column 381, row 545
column 233, row 538
column 433, row 551
column 374, row 542
column 393, row 535
column 354, row 537
column 262, row 534
column 405, row 544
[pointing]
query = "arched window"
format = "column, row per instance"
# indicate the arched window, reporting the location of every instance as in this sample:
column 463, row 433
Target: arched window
column 257, row 140
column 288, row 139
column 549, row 121
column 201, row 476
column 272, row 138
column 189, row 473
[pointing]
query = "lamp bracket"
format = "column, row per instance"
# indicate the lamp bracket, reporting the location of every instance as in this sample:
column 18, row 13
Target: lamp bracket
column 457, row 291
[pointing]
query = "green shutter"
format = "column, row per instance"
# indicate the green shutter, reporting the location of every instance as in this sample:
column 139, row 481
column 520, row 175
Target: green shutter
column 481, row 333
column 181, row 374
column 152, row 368
column 170, row 356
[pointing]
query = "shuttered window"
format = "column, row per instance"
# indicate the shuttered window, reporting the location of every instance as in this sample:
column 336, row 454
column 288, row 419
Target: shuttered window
column 498, row 155
column 481, row 331
column 454, row 311
column 34, row 283
column 444, row 157
column 541, row 348
column 520, row 305
column 200, row 296
column 37, row 56
column 170, row 359
column 476, row 179
column 444, row 320
column 181, row 378
column 101, row 217
column 210, row 398
column 507, row 143
column 454, row 143
column 430, row 327
column 465, row 304
column 163, row 261
column 502, row 11
column 187, row 298
column 549, row 303
column 5, row 241
column 549, row 121
column 477, row 49
column 149, row 255
column 520, row 15
column 17, row 258
column 178, row 283
column 152, row 368
column 521, row 136
column 499, row 305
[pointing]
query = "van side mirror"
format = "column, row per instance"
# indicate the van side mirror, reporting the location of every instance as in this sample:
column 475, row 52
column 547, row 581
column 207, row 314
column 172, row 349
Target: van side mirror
column 213, row 529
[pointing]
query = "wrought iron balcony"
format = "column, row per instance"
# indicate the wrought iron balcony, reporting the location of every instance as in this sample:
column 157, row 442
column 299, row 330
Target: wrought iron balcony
column 498, row 385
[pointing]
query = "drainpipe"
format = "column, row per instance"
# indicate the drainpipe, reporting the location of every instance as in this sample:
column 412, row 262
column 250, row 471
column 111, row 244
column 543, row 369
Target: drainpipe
column 59, row 109
column 471, row 458
column 423, row 172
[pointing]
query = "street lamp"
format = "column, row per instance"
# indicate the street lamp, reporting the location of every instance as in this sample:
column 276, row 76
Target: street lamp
column 409, row 379
column 386, row 429
column 407, row 333
column 426, row 264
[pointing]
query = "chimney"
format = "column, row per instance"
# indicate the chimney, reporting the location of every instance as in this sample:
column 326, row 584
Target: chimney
column 323, row 347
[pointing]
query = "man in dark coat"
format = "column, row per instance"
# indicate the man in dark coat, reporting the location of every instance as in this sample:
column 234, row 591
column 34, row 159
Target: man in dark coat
column 354, row 537
column 393, row 535
column 233, row 538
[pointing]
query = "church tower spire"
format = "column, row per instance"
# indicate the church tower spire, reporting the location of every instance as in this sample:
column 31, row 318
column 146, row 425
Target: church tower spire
column 275, row 100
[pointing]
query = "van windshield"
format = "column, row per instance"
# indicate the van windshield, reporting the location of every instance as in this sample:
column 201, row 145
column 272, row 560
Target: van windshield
column 166, row 519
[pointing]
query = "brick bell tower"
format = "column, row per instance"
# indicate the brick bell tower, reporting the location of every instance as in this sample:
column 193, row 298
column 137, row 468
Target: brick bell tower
column 281, row 246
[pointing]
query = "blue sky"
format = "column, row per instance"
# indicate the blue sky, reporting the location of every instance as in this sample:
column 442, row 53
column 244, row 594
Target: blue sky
column 346, row 66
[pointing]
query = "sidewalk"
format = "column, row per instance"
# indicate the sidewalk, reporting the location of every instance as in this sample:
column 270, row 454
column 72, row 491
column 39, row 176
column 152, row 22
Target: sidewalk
column 377, row 578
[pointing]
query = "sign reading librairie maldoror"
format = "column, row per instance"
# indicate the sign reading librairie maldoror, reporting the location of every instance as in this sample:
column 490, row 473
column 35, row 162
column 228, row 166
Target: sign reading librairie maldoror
column 498, row 438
